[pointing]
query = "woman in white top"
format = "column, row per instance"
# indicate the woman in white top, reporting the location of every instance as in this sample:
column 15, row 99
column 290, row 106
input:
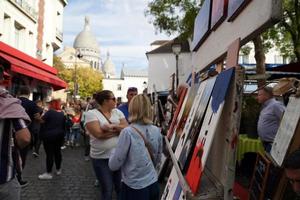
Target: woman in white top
column 104, row 125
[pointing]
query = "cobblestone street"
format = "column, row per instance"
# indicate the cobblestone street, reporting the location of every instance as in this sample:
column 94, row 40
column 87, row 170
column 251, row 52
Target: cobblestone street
column 75, row 182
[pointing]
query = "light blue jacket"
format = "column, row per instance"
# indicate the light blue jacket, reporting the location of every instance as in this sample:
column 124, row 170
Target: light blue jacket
column 132, row 157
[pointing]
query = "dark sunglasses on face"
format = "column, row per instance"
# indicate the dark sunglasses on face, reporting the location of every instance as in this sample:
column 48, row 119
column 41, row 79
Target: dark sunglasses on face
column 112, row 98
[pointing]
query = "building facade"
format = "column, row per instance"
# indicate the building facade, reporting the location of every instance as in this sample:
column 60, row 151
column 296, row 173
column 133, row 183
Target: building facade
column 29, row 34
column 162, row 64
column 128, row 78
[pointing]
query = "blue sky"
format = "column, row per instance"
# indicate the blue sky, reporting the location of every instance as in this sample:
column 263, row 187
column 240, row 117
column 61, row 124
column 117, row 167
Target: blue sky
column 119, row 26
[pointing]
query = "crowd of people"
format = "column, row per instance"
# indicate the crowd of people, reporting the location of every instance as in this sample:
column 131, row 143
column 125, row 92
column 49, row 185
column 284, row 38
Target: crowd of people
column 118, row 153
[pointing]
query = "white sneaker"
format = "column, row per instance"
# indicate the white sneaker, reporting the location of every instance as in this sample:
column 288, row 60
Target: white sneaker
column 45, row 176
column 58, row 172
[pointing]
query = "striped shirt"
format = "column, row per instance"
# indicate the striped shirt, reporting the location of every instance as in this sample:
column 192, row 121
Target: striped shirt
column 9, row 156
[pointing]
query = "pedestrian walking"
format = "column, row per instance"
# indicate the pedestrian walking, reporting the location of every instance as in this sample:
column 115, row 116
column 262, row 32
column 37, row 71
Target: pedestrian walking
column 104, row 125
column 137, row 153
column 52, row 135
column 33, row 112
column 13, row 136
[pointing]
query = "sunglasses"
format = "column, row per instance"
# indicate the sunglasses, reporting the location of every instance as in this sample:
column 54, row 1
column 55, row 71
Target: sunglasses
column 112, row 98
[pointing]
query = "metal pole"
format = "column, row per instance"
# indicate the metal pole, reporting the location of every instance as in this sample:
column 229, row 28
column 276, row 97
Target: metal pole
column 177, row 78
column 75, row 78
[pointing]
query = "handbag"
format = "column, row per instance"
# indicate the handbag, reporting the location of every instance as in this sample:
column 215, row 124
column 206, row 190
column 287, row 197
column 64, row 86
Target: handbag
column 147, row 144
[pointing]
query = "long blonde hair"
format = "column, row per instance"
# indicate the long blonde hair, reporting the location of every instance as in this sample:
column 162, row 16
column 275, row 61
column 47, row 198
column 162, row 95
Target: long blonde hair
column 140, row 110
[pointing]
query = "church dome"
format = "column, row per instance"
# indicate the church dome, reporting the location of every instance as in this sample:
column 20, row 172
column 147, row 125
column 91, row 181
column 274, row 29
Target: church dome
column 86, row 39
column 109, row 67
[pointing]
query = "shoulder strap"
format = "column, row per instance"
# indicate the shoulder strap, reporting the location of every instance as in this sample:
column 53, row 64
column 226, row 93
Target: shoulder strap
column 104, row 115
column 149, row 149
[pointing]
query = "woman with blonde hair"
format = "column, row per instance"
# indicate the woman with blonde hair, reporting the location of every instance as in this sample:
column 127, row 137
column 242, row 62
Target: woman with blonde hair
column 138, row 151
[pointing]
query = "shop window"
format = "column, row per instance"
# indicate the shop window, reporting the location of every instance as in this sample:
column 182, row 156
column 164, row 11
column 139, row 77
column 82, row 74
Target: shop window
column 119, row 87
column 18, row 36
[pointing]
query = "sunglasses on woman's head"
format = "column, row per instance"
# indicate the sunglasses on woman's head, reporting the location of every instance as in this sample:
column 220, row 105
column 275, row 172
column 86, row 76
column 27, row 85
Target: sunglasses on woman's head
column 112, row 98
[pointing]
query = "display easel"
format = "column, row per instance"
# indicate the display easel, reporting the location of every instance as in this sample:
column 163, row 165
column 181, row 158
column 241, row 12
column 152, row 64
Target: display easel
column 227, row 132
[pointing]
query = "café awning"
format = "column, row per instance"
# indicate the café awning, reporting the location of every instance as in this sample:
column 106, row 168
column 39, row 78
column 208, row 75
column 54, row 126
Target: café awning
column 26, row 65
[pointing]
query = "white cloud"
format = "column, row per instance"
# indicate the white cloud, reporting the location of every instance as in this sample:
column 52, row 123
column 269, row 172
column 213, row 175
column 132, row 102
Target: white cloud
column 119, row 25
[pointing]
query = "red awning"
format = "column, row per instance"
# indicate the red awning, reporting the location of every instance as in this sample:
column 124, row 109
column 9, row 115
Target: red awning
column 24, row 64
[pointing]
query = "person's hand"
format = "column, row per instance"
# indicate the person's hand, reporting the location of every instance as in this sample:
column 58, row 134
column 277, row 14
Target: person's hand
column 107, row 127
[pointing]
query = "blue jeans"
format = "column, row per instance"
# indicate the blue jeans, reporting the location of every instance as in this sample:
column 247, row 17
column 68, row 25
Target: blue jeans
column 108, row 179
column 75, row 134
column 150, row 192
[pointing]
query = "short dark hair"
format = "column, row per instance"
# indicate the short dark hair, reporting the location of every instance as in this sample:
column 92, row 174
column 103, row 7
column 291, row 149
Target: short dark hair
column 292, row 161
column 24, row 90
column 103, row 95
column 132, row 89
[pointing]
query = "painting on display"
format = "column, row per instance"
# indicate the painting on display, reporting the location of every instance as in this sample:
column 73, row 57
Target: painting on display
column 182, row 119
column 286, row 130
column 235, row 7
column 218, row 12
column 183, row 151
column 182, row 100
column 202, row 22
column 208, row 129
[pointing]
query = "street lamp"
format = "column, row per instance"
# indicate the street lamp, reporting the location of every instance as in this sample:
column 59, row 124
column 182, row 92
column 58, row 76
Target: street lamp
column 176, row 48
column 77, row 55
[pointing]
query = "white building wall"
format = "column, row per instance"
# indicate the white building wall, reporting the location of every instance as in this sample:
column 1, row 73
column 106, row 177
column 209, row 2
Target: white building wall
column 12, row 15
column 24, row 16
column 162, row 66
column 114, row 85
column 53, row 20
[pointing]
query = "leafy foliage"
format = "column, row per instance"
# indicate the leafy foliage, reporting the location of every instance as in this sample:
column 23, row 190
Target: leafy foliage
column 89, row 80
column 173, row 16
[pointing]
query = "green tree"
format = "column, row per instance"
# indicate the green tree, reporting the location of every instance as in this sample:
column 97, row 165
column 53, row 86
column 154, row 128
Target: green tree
column 89, row 80
column 58, row 64
column 173, row 16
column 288, row 30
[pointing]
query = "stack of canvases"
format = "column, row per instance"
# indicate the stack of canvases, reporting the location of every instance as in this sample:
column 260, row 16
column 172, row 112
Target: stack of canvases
column 193, row 129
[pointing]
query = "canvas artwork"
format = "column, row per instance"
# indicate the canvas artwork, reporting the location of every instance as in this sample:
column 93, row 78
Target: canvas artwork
column 286, row 130
column 182, row 100
column 235, row 7
column 190, row 119
column 218, row 12
column 208, row 130
column 183, row 151
column 173, row 188
column 202, row 22
column 184, row 116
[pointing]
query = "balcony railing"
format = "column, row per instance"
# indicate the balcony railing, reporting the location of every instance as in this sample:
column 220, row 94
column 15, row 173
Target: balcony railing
column 59, row 34
column 26, row 7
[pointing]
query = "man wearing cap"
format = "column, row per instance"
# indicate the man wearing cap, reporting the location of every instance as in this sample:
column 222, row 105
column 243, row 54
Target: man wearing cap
column 13, row 135
column 131, row 92
column 269, row 117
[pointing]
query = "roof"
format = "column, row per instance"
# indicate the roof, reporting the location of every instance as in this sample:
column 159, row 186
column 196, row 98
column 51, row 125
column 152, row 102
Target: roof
column 134, row 73
column 159, row 42
column 167, row 48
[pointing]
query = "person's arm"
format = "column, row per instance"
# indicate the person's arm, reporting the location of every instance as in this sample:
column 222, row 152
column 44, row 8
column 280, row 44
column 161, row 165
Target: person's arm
column 95, row 130
column 118, row 158
column 22, row 134
column 119, row 127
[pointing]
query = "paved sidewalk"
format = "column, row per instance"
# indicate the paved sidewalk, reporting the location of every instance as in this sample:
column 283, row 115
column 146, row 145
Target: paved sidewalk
column 76, row 181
